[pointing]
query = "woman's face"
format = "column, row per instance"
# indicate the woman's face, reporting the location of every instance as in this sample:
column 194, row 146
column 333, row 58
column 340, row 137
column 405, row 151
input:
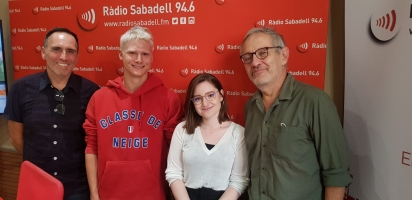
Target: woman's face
column 207, row 100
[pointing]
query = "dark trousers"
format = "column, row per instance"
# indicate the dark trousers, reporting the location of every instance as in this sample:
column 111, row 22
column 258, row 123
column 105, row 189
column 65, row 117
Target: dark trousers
column 78, row 196
column 204, row 194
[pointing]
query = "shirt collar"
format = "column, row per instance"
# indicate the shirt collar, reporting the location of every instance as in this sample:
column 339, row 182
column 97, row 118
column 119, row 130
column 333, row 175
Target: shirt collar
column 71, row 83
column 285, row 92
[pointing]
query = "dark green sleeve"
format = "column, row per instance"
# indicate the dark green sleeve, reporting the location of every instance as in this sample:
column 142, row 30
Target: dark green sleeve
column 330, row 142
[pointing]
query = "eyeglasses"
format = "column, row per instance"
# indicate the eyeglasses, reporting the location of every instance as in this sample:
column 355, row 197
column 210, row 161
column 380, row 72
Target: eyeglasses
column 210, row 96
column 261, row 54
column 59, row 96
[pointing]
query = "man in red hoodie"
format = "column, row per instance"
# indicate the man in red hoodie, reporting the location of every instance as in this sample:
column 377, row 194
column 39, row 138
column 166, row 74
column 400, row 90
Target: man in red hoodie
column 129, row 126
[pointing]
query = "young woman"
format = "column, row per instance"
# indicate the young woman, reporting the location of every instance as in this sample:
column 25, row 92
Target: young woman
column 207, row 157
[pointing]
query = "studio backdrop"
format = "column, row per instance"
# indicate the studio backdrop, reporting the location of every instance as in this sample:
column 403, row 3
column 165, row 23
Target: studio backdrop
column 190, row 37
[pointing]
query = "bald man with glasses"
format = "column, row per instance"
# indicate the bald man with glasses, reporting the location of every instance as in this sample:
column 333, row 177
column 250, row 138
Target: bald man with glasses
column 45, row 113
column 296, row 147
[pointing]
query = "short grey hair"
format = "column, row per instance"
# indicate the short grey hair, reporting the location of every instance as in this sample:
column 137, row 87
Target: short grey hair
column 277, row 38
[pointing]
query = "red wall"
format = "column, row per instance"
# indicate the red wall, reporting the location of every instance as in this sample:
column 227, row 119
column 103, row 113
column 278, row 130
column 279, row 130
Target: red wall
column 204, row 38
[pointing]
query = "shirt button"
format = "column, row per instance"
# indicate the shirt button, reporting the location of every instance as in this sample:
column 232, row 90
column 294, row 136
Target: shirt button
column 55, row 142
column 55, row 126
column 264, row 145
column 263, row 168
column 55, row 173
column 263, row 192
column 55, row 158
column 266, row 122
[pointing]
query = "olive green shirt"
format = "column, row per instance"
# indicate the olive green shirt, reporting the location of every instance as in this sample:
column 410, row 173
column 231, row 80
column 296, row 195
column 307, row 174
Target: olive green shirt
column 296, row 148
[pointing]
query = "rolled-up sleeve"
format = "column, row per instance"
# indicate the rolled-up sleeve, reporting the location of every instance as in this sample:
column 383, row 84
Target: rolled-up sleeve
column 330, row 143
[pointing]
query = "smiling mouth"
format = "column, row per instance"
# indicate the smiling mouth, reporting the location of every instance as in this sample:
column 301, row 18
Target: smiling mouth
column 63, row 65
column 206, row 109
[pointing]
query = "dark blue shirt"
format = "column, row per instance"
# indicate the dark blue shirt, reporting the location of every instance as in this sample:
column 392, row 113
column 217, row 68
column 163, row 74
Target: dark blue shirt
column 52, row 141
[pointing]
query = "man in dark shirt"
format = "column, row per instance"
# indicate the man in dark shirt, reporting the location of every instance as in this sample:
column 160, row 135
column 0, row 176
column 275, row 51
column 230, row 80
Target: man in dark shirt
column 45, row 113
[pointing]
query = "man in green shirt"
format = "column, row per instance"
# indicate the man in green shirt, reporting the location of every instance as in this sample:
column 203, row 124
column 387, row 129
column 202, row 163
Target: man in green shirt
column 296, row 147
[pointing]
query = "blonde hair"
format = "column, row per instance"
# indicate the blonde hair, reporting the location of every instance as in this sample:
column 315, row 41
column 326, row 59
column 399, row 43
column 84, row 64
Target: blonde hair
column 136, row 33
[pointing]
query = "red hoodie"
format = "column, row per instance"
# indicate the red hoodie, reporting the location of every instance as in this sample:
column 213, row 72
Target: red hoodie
column 130, row 134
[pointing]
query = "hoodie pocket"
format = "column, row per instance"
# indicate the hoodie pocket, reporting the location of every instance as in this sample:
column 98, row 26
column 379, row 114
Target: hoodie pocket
column 130, row 180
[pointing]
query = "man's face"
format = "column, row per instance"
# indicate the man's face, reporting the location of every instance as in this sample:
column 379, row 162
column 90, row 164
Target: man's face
column 60, row 54
column 270, row 69
column 137, row 57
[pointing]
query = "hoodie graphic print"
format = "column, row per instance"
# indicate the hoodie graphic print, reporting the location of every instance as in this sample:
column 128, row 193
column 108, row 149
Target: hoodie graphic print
column 130, row 134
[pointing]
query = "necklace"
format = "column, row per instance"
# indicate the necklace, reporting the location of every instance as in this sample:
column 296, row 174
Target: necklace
column 211, row 130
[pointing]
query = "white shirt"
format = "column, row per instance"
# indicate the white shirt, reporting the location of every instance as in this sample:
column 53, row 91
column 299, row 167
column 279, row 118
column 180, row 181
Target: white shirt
column 223, row 166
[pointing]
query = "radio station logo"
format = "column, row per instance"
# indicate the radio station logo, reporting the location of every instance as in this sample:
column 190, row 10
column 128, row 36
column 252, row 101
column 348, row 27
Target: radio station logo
column 303, row 48
column 220, row 48
column 385, row 23
column 37, row 49
column 220, row 2
column 184, row 72
column 119, row 71
column 16, row 68
column 87, row 19
column 13, row 31
column 35, row 10
column 260, row 23
column 90, row 49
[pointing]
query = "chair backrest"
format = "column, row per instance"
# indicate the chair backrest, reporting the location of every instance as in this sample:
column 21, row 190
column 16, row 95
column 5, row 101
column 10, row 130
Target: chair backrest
column 36, row 184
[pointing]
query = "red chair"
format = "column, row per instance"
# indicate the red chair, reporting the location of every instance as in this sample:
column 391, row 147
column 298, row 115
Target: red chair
column 36, row 184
